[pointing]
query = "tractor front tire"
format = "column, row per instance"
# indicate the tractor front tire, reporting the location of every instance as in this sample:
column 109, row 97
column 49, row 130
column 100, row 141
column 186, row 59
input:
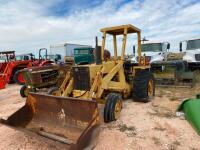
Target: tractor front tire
column 144, row 86
column 53, row 90
column 113, row 107
column 18, row 78
column 24, row 91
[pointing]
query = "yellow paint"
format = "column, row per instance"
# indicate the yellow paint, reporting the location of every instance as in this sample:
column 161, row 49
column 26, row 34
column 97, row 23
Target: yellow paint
column 109, row 76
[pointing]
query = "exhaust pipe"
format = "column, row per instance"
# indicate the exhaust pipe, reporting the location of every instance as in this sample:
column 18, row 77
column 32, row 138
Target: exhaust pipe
column 98, row 53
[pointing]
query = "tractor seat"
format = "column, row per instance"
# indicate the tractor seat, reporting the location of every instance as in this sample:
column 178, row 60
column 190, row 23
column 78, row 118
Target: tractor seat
column 129, row 64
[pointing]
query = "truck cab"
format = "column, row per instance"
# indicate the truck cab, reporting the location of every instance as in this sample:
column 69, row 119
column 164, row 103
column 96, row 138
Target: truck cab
column 83, row 55
column 192, row 52
column 154, row 51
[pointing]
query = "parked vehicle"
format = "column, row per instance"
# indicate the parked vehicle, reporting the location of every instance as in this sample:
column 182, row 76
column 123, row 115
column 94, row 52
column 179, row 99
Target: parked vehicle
column 37, row 78
column 154, row 51
column 42, row 61
column 83, row 55
column 174, row 73
column 192, row 52
column 5, row 57
column 12, row 65
column 66, row 50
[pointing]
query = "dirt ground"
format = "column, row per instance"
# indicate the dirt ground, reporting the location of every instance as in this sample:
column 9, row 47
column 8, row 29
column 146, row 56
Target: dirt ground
column 142, row 126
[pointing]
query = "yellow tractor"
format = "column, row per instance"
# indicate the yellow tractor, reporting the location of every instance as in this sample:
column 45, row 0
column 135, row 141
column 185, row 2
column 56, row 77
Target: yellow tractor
column 110, row 81
column 71, row 115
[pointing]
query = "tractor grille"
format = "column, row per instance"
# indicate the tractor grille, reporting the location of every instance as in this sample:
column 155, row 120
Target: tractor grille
column 49, row 76
column 81, row 78
column 197, row 57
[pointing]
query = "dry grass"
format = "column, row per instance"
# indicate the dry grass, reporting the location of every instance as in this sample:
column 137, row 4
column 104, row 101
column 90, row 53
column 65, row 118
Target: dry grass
column 161, row 93
column 174, row 98
column 162, row 112
column 174, row 145
column 197, row 76
column 160, row 128
column 156, row 141
column 123, row 128
column 130, row 131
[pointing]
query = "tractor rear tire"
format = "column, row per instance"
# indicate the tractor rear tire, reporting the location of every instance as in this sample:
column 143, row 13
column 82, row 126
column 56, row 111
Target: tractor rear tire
column 144, row 86
column 24, row 91
column 18, row 78
column 113, row 107
column 52, row 90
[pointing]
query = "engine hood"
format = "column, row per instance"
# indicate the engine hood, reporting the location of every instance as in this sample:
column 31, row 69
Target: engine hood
column 152, row 56
column 196, row 51
column 190, row 55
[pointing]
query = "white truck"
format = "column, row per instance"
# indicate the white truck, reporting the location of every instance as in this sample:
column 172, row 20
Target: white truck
column 153, row 51
column 65, row 49
column 191, row 52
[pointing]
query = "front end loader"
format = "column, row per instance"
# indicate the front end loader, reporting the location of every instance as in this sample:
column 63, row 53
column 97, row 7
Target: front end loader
column 111, row 81
column 71, row 113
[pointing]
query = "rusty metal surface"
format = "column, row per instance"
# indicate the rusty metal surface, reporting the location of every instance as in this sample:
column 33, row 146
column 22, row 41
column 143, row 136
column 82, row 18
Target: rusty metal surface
column 66, row 118
column 39, row 77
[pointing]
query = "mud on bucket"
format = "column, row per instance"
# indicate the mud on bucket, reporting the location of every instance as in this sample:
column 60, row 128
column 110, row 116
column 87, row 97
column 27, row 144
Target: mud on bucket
column 69, row 120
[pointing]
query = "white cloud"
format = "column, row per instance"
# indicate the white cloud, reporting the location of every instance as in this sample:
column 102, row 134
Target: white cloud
column 26, row 25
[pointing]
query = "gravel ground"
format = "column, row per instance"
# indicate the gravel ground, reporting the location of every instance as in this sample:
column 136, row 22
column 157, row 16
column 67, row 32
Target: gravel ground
column 141, row 126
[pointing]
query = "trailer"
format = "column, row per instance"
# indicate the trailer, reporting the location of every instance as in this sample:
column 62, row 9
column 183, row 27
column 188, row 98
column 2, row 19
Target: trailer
column 65, row 49
column 175, row 73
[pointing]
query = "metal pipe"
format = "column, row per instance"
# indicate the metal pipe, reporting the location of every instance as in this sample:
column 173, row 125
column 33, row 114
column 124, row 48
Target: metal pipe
column 124, row 44
column 115, row 46
column 139, row 48
column 103, row 45
column 98, row 54
column 180, row 47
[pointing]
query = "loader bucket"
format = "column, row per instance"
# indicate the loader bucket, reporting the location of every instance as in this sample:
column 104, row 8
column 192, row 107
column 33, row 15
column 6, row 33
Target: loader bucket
column 65, row 119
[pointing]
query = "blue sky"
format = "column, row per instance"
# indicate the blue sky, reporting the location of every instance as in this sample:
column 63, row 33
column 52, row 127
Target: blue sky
column 26, row 26
column 65, row 7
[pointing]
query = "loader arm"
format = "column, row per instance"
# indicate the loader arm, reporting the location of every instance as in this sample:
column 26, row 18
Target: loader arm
column 69, row 88
column 67, row 77
column 63, row 91
column 105, row 83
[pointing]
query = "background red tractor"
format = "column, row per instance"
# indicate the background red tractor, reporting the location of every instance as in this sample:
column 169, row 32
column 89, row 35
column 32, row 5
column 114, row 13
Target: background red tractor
column 43, row 60
column 10, row 65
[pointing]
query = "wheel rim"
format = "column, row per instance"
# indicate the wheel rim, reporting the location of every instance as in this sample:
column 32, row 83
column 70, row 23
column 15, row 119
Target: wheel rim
column 20, row 78
column 150, row 88
column 118, row 108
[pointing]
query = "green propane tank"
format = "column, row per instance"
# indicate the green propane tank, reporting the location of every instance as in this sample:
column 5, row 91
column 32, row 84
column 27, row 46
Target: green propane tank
column 191, row 110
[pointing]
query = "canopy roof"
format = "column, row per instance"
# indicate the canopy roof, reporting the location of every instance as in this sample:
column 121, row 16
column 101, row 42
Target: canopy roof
column 7, row 52
column 119, row 30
